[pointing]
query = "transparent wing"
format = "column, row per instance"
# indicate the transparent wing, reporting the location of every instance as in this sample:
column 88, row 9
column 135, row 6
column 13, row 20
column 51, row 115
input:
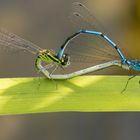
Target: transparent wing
column 13, row 41
column 86, row 51
column 84, row 19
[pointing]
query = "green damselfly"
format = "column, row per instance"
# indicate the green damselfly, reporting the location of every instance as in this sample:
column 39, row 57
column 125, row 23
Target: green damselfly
column 95, row 55
column 98, row 54
column 49, row 57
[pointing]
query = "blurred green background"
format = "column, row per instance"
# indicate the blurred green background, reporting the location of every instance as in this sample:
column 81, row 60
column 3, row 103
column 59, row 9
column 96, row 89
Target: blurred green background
column 45, row 23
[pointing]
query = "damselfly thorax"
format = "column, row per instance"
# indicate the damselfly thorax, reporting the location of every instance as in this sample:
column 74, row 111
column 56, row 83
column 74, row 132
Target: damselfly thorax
column 90, row 56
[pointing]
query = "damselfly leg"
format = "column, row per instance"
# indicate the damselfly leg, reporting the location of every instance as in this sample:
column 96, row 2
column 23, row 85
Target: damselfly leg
column 56, row 67
column 126, row 85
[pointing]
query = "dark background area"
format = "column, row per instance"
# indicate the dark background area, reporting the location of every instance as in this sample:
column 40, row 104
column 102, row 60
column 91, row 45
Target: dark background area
column 75, row 126
column 46, row 24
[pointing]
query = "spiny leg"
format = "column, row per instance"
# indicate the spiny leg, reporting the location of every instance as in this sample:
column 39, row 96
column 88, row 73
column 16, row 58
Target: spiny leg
column 39, row 76
column 39, row 79
column 130, row 78
column 56, row 67
column 62, row 68
column 48, row 66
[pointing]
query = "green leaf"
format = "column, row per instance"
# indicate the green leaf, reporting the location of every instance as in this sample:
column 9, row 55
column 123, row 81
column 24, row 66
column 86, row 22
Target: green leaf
column 81, row 94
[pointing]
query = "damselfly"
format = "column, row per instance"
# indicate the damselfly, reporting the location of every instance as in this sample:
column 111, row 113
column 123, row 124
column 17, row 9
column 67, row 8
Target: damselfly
column 11, row 40
column 77, row 55
column 82, row 13
column 47, row 59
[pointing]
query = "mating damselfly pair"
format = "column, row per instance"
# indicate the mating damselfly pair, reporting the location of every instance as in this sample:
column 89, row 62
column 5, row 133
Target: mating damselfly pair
column 98, row 53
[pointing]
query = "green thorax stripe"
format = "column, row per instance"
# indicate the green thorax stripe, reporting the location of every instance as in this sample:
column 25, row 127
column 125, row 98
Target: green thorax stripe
column 52, row 57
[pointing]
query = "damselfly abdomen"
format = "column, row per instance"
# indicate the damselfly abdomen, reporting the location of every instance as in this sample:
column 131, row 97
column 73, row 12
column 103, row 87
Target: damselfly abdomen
column 83, row 52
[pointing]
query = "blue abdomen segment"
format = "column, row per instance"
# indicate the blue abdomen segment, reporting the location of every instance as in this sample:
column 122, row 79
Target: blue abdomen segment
column 108, row 40
column 101, row 34
column 121, row 55
column 62, row 48
column 91, row 32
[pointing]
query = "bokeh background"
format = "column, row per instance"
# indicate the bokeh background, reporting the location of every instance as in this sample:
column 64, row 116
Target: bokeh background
column 45, row 23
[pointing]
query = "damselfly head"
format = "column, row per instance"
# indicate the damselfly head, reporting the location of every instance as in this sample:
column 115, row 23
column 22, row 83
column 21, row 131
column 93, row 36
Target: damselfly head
column 65, row 61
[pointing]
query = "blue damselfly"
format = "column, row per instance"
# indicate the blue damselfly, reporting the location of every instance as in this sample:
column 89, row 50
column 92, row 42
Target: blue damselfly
column 83, row 52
